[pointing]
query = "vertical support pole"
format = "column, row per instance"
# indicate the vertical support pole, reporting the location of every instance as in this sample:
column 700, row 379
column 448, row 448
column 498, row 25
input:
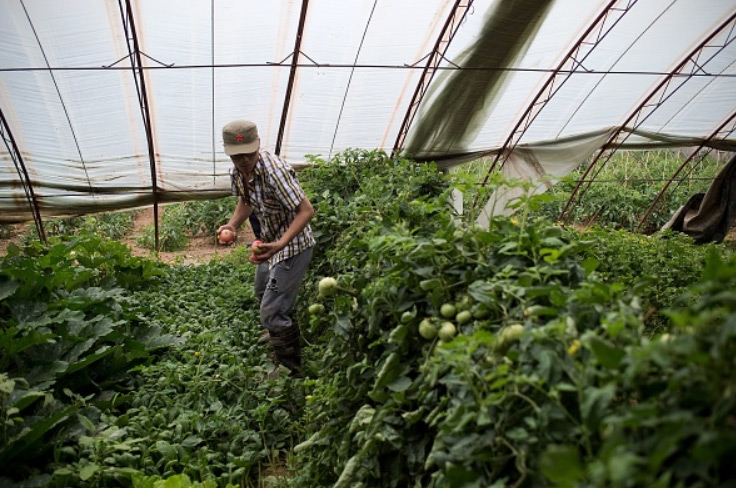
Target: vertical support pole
column 25, row 179
column 292, row 75
column 140, row 79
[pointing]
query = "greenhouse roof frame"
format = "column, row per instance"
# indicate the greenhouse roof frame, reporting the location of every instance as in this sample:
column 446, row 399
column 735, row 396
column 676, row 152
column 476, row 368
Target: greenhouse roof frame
column 550, row 80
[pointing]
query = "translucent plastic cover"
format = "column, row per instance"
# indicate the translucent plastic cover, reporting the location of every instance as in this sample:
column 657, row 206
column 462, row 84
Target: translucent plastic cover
column 112, row 104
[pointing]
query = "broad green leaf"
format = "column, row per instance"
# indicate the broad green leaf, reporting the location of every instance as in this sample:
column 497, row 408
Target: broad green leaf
column 346, row 479
column 34, row 433
column 595, row 403
column 191, row 441
column 623, row 465
column 177, row 481
column 86, row 422
column 400, row 384
column 7, row 288
column 363, row 417
column 388, row 372
column 314, row 440
column 167, row 450
column 590, row 264
column 88, row 471
column 606, row 353
column 398, row 335
column 561, row 465
column 96, row 356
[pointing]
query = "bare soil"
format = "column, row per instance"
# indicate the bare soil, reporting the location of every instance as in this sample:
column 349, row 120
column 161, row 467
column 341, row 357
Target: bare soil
column 201, row 249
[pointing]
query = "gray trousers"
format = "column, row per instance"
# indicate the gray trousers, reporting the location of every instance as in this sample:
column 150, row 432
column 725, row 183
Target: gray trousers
column 277, row 290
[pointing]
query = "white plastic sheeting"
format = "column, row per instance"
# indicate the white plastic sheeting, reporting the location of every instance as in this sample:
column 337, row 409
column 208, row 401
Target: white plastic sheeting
column 72, row 105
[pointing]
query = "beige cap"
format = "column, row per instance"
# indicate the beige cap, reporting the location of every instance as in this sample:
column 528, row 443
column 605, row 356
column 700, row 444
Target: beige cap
column 240, row 137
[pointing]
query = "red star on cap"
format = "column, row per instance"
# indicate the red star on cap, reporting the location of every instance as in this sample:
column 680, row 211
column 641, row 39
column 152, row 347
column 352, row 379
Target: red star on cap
column 239, row 137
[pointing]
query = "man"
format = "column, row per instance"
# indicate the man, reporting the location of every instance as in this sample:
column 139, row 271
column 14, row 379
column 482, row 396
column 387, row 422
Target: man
column 267, row 186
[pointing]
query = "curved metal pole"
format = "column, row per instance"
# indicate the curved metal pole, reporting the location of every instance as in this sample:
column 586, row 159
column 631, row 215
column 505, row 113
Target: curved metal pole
column 572, row 58
column 292, row 75
column 661, row 87
column 664, row 189
column 25, row 179
column 452, row 24
column 136, row 66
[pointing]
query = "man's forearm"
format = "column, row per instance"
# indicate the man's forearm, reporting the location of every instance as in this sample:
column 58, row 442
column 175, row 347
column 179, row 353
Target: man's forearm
column 305, row 212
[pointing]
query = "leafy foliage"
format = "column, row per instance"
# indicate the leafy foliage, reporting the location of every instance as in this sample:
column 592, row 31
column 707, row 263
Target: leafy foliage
column 183, row 220
column 205, row 216
column 542, row 386
column 171, row 235
column 68, row 336
column 552, row 373
column 660, row 268
column 204, row 410
column 112, row 225
column 625, row 188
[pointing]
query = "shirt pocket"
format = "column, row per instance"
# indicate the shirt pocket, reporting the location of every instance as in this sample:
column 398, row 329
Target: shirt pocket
column 271, row 205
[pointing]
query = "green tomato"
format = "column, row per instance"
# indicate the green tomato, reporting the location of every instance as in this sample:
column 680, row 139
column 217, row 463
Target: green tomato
column 427, row 285
column 316, row 309
column 464, row 303
column 480, row 311
column 407, row 317
column 427, row 330
column 512, row 333
column 447, row 331
column 463, row 317
column 448, row 310
column 327, row 286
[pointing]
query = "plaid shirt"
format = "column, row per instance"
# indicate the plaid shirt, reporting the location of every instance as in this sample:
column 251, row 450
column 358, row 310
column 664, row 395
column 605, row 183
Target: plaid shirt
column 274, row 194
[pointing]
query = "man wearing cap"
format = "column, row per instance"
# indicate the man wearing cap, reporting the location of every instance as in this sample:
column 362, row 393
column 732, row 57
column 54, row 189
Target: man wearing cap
column 267, row 186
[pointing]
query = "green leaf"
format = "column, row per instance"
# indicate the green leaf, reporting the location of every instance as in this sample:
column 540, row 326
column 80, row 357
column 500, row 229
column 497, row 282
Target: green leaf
column 460, row 475
column 86, row 422
column 389, row 371
column 6, row 384
column 7, row 288
column 35, row 432
column 561, row 465
column 88, row 471
column 178, row 481
column 400, row 384
column 191, row 441
column 608, row 355
column 314, row 440
column 362, row 418
column 398, row 335
column 595, row 403
column 590, row 265
column 167, row 450
column 96, row 356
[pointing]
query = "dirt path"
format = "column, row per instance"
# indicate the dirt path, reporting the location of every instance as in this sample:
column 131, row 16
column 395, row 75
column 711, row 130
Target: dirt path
column 201, row 249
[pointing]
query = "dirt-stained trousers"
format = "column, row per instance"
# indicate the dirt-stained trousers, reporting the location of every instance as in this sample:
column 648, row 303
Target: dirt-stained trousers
column 277, row 289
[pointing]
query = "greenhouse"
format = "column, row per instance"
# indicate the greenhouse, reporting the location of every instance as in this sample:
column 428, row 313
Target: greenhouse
column 520, row 216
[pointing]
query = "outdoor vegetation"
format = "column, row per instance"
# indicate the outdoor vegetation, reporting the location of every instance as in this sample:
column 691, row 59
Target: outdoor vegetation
column 437, row 353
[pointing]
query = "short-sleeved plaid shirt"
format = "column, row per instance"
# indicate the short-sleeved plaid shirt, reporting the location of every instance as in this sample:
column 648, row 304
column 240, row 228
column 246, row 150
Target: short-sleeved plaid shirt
column 274, row 193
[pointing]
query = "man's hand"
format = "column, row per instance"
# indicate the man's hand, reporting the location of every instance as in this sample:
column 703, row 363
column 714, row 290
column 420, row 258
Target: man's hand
column 268, row 249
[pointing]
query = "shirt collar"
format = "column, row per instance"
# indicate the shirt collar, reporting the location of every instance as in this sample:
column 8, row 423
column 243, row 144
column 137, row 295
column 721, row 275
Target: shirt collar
column 257, row 169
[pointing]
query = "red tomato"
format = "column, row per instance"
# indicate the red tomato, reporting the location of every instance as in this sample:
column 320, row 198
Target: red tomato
column 227, row 236
column 256, row 247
